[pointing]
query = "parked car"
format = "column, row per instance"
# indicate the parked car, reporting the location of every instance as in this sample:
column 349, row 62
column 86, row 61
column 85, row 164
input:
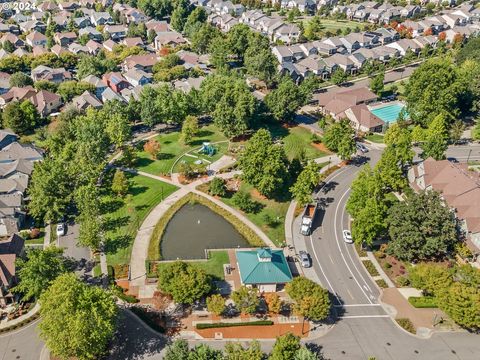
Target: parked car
column 362, row 148
column 347, row 236
column 61, row 230
column 305, row 259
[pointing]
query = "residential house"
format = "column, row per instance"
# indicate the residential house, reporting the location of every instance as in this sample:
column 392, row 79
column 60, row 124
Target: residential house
column 101, row 18
column 65, row 39
column 459, row 188
column 92, row 33
column 137, row 77
column 362, row 120
column 335, row 104
column 100, row 85
column 86, row 100
column 46, row 102
column 187, row 85
column 36, row 38
column 57, row 76
column 143, row 62
column 115, row 81
column 10, row 249
column 116, row 32
column 404, row 45
column 168, row 39
column 4, row 82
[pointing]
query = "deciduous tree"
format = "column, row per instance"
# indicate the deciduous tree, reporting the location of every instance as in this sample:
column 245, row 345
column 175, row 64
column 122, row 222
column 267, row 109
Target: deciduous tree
column 312, row 301
column 306, row 182
column 285, row 347
column 436, row 139
column 152, row 147
column 216, row 304
column 185, row 282
column 120, row 183
column 78, row 320
column 38, row 270
column 246, row 299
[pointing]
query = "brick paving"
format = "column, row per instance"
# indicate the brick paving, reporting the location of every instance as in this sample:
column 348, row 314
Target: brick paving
column 421, row 318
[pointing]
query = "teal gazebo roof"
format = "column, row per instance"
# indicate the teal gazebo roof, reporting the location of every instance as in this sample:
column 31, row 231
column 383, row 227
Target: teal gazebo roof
column 263, row 266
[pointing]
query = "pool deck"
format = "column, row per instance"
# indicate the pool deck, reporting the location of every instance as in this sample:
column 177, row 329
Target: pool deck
column 385, row 104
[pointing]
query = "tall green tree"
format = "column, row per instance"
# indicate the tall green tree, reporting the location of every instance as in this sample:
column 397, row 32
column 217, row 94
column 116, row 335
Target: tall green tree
column 185, row 282
column 376, row 83
column 264, row 164
column 306, row 182
column 246, row 299
column 285, row 347
column 20, row 117
column 311, row 300
column 20, row 79
column 431, row 90
column 339, row 137
column 421, row 228
column 436, row 139
column 78, row 320
column 285, row 100
column 38, row 270
column 462, row 304
column 235, row 351
column 338, row 76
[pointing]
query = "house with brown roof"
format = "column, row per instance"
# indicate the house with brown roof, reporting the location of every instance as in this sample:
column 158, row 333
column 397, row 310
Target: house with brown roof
column 459, row 187
column 10, row 249
column 169, row 39
column 65, row 39
column 362, row 120
column 140, row 62
column 57, row 76
column 46, row 102
column 335, row 104
column 36, row 38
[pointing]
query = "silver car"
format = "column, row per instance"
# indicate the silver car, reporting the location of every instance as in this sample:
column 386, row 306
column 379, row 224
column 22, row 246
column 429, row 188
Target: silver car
column 61, row 230
column 347, row 236
column 305, row 259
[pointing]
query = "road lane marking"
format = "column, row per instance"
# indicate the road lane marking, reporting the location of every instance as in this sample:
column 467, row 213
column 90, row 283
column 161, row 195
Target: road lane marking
column 330, row 256
column 363, row 316
column 357, row 305
column 338, row 245
column 349, row 293
column 324, row 275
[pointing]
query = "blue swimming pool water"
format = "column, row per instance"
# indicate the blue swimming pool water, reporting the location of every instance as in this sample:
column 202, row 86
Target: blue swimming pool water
column 388, row 113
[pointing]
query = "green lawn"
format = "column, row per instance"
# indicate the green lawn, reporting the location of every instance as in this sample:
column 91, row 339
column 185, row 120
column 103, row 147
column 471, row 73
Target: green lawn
column 271, row 218
column 124, row 216
column 171, row 148
column 295, row 140
column 213, row 266
column 333, row 25
column 376, row 138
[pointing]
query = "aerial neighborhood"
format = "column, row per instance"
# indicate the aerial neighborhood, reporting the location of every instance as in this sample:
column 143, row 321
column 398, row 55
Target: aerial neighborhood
column 245, row 179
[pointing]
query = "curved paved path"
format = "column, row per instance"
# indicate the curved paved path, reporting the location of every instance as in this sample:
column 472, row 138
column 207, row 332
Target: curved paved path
column 138, row 270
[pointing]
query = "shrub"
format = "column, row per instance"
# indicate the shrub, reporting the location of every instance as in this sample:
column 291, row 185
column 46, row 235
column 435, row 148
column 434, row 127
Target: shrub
column 120, row 271
column 402, row 281
column 370, row 268
column 380, row 254
column 223, row 325
column 423, row 301
column 244, row 202
column 406, row 324
column 381, row 283
column 217, row 187
column 388, row 265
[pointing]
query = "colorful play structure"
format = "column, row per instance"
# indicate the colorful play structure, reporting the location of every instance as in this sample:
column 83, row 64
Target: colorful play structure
column 207, row 149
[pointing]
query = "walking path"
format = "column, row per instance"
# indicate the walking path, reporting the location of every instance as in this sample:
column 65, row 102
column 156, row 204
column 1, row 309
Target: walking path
column 138, row 269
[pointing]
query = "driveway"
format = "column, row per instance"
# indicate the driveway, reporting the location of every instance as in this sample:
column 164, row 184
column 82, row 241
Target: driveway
column 69, row 243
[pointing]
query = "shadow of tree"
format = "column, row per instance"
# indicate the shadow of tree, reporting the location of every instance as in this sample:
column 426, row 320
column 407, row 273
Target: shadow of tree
column 136, row 190
column 110, row 205
column 204, row 133
column 114, row 223
column 113, row 244
column 132, row 341
column 165, row 156
column 143, row 162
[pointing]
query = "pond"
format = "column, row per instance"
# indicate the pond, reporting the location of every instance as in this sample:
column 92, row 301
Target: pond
column 195, row 228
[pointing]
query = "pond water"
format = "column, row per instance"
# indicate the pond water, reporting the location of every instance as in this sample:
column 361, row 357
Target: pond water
column 195, row 228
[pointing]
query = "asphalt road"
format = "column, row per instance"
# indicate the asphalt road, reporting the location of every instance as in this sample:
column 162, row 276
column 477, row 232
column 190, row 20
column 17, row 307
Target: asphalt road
column 22, row 344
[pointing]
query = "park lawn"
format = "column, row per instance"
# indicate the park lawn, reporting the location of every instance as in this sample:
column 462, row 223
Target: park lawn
column 213, row 266
column 376, row 138
column 222, row 149
column 272, row 210
column 333, row 25
column 295, row 140
column 123, row 219
column 171, row 148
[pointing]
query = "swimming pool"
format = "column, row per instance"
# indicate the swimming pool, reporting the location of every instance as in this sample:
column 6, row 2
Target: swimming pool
column 389, row 112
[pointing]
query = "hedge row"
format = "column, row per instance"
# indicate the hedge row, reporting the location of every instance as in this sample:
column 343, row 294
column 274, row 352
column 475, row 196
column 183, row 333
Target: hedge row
column 20, row 324
column 223, row 325
column 372, row 270
column 423, row 301
column 154, row 246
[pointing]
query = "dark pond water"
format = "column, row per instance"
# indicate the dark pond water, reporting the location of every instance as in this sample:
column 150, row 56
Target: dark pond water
column 195, row 228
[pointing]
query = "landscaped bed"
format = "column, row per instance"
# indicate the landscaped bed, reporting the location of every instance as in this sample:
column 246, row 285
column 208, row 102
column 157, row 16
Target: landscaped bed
column 123, row 216
column 423, row 301
column 172, row 149
column 395, row 269
column 154, row 248
column 224, row 325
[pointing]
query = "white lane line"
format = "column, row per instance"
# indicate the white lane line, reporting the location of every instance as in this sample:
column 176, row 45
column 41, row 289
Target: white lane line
column 349, row 293
column 357, row 305
column 341, row 252
column 331, row 259
column 365, row 286
column 323, row 272
column 363, row 316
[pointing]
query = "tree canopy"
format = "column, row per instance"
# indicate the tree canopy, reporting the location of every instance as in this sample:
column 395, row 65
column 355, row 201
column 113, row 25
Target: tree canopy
column 185, row 282
column 78, row 320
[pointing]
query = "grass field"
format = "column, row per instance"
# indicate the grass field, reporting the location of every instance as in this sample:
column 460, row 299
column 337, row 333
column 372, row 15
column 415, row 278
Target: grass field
column 271, row 217
column 376, row 138
column 124, row 216
column 295, row 140
column 171, row 148
column 333, row 25
column 213, row 266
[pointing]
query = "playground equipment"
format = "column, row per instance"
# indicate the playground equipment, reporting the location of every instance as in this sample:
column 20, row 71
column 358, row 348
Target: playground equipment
column 207, row 149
